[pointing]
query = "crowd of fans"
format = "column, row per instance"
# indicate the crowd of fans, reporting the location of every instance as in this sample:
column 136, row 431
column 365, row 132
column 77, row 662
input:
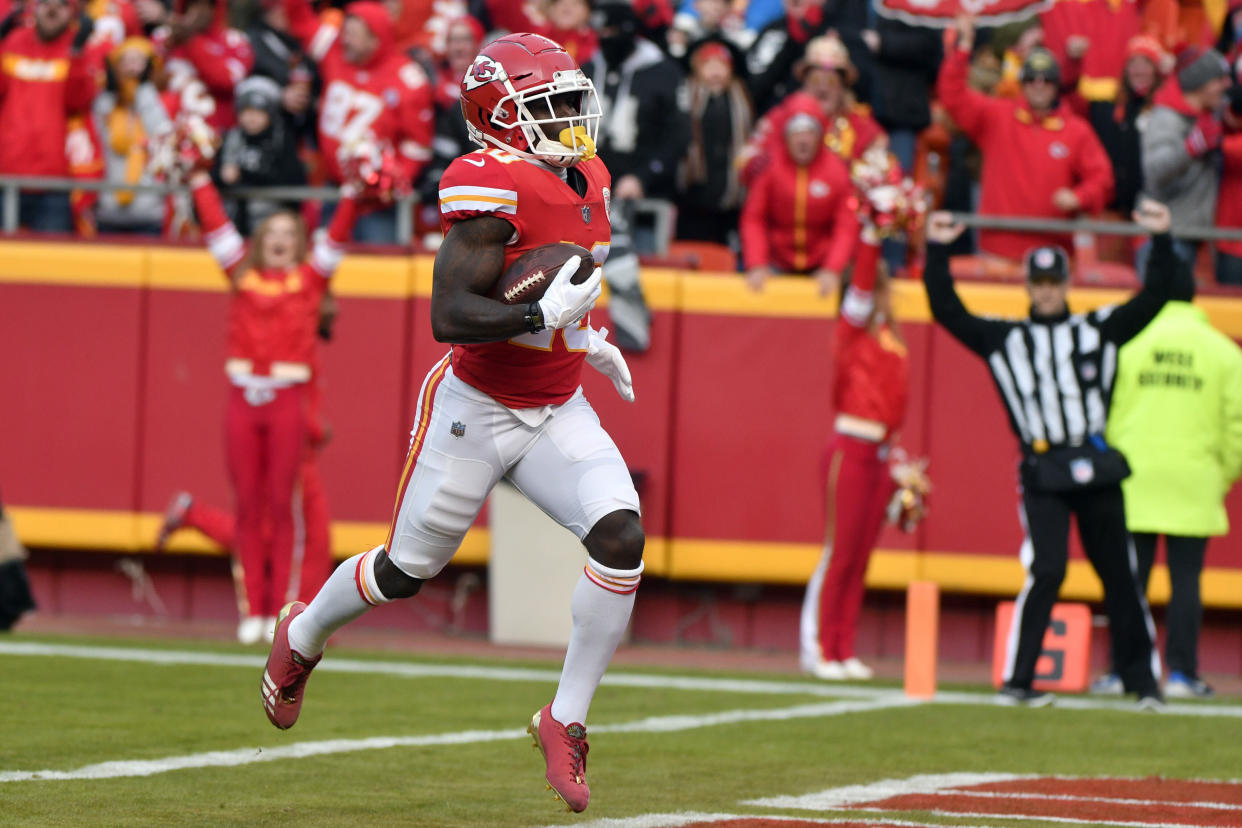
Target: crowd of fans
column 745, row 117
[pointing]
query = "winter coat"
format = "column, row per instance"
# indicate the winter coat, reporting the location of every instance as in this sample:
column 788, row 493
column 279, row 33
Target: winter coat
column 1189, row 186
column 904, row 72
column 1025, row 160
column 1177, row 417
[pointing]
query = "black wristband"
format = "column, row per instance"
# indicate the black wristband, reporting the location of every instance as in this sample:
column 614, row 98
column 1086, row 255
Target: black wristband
column 534, row 318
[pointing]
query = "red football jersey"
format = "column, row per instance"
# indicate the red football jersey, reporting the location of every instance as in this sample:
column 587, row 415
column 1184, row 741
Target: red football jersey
column 532, row 369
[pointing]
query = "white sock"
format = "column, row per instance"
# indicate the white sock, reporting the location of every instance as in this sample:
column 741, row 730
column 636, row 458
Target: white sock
column 602, row 602
column 348, row 593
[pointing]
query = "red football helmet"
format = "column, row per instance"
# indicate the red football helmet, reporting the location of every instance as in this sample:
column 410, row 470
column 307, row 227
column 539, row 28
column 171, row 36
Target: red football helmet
column 506, row 99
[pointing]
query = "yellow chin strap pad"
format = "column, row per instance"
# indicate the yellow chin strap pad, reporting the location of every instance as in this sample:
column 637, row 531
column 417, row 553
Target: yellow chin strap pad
column 575, row 137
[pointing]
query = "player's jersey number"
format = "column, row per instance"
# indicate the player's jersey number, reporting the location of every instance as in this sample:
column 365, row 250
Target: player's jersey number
column 573, row 339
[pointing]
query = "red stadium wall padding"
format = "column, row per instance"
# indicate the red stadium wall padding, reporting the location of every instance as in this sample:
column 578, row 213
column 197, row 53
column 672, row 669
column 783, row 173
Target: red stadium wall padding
column 69, row 394
column 182, row 444
column 750, row 426
column 365, row 373
column 973, row 455
column 113, row 393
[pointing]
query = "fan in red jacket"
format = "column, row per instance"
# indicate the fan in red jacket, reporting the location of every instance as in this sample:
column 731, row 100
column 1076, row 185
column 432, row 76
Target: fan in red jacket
column 205, row 60
column 1039, row 159
column 46, row 75
column 371, row 92
column 797, row 217
column 869, row 394
column 826, row 76
column 273, row 318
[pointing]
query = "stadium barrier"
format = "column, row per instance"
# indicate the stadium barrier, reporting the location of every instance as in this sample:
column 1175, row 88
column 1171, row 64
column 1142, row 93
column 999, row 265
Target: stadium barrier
column 114, row 395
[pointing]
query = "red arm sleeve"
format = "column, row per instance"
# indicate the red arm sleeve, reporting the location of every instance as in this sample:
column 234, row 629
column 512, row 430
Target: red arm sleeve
column 220, row 76
column 329, row 248
column 82, row 83
column 1094, row 172
column 306, row 26
column 968, row 108
column 416, row 121
column 225, row 243
column 859, row 299
column 753, row 225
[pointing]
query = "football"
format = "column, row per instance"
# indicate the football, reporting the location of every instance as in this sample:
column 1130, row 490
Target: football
column 526, row 279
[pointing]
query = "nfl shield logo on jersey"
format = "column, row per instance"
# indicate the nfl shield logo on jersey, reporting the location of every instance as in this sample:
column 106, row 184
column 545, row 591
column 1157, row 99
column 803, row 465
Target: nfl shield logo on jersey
column 457, row 429
column 586, row 213
column 1082, row 470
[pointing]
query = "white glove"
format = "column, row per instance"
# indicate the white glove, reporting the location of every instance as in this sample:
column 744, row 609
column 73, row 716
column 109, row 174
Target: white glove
column 606, row 358
column 564, row 303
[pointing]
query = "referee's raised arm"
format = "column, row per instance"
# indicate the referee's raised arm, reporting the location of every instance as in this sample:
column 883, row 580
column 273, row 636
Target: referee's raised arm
column 1164, row 271
column 946, row 306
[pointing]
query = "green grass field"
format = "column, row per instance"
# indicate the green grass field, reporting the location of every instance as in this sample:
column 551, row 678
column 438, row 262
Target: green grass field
column 390, row 739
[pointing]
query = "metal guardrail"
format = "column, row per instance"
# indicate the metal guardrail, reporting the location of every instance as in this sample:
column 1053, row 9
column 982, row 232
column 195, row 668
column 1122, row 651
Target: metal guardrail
column 661, row 211
column 1092, row 226
column 11, row 185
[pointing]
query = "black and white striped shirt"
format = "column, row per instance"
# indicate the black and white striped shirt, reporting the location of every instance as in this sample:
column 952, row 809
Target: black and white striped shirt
column 1054, row 374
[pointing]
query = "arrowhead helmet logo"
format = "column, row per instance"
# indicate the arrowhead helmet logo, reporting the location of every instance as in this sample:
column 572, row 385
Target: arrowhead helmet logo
column 484, row 70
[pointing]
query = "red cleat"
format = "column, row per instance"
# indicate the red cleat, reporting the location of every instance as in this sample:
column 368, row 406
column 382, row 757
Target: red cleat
column 284, row 677
column 564, row 750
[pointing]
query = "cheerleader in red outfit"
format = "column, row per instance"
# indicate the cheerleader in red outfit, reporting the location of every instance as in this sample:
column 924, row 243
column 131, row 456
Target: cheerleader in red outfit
column 310, row 507
column 869, row 395
column 273, row 317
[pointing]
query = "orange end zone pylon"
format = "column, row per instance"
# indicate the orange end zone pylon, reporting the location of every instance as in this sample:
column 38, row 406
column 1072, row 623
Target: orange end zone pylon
column 922, row 638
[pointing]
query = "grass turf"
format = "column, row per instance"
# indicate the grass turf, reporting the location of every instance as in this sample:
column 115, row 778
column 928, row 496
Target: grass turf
column 63, row 713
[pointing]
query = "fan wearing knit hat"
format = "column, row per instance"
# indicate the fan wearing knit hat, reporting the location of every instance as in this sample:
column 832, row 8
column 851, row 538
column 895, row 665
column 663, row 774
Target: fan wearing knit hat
column 261, row 151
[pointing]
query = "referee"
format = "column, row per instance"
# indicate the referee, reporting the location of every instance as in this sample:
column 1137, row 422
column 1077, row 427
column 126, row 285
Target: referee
column 1055, row 373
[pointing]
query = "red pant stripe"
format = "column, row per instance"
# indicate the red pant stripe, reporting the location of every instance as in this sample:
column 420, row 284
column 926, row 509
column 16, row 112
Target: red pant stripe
column 416, row 444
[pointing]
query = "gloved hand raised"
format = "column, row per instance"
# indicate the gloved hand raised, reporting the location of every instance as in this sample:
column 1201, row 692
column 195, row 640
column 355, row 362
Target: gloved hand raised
column 564, row 303
column 606, row 358
column 1205, row 136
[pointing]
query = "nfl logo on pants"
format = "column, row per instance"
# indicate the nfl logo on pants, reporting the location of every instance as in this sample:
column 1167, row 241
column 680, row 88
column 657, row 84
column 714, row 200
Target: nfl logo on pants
column 1082, row 470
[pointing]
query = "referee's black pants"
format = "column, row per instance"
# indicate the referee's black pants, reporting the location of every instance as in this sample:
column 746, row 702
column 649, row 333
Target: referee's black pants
column 1101, row 518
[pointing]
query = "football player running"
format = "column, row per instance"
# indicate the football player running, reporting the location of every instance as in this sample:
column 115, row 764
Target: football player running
column 505, row 402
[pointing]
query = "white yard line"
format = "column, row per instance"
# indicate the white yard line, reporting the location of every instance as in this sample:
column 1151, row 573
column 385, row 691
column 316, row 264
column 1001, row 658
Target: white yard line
column 1112, row 800
column 859, row 700
column 615, row 679
column 1060, row 820
column 847, row 795
column 951, row 784
column 674, row 820
column 301, row 750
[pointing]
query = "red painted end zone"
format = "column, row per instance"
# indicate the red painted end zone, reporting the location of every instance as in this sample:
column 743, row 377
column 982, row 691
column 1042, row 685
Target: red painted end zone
column 1132, row 801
